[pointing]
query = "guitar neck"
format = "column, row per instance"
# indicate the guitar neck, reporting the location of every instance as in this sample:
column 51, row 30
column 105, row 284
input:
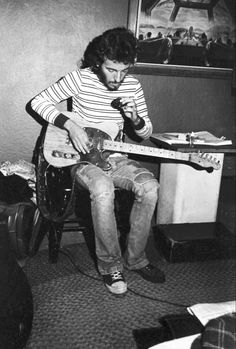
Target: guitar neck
column 144, row 150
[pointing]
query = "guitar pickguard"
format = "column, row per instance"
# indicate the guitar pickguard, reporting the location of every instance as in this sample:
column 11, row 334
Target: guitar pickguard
column 96, row 155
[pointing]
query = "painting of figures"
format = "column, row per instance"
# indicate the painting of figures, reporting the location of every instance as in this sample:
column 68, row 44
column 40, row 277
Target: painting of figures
column 187, row 32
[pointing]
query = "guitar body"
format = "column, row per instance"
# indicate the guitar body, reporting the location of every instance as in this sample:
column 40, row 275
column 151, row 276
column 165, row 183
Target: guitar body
column 60, row 152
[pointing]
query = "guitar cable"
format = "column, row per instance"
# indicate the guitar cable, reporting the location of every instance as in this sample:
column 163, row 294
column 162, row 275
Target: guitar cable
column 68, row 254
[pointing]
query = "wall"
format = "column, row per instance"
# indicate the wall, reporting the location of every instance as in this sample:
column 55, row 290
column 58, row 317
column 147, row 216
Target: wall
column 40, row 41
column 185, row 104
column 43, row 39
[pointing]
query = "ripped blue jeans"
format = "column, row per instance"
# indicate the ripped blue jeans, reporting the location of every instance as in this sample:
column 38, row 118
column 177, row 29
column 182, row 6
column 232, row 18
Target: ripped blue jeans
column 126, row 174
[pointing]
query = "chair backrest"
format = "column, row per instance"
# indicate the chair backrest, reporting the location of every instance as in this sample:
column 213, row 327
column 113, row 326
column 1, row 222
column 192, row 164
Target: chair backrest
column 54, row 187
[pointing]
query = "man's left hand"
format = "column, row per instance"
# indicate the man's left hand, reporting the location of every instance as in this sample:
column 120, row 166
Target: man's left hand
column 129, row 108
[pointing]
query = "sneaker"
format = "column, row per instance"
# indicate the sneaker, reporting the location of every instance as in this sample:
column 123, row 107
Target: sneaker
column 151, row 273
column 115, row 283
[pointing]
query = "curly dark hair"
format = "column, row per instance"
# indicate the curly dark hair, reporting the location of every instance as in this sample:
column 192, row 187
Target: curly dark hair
column 118, row 44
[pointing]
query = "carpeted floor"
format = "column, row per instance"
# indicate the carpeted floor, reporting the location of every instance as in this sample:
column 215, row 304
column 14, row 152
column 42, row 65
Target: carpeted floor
column 73, row 309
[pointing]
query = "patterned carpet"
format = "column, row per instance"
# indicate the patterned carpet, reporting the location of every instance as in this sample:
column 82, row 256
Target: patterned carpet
column 73, row 309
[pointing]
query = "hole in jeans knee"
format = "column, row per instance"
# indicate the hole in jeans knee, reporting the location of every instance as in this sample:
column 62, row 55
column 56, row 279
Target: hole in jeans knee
column 143, row 176
column 101, row 188
column 151, row 185
column 103, row 196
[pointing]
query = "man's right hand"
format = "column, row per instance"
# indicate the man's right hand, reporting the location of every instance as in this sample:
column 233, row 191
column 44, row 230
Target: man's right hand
column 78, row 136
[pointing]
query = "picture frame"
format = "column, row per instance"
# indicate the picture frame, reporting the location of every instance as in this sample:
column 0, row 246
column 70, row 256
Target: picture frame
column 141, row 22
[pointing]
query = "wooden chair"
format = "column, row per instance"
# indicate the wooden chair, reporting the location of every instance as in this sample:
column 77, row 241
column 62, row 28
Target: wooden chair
column 63, row 207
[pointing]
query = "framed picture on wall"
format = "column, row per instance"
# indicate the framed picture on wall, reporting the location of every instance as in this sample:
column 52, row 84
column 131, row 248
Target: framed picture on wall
column 185, row 36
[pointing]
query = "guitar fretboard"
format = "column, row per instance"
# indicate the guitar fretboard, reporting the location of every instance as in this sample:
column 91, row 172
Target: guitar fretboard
column 144, row 150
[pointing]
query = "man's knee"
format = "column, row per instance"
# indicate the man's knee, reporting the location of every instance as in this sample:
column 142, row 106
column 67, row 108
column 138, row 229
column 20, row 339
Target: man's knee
column 94, row 180
column 103, row 184
column 102, row 187
column 146, row 185
column 151, row 188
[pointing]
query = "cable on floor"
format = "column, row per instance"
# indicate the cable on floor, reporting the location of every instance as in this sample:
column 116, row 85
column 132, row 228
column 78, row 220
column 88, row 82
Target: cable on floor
column 71, row 259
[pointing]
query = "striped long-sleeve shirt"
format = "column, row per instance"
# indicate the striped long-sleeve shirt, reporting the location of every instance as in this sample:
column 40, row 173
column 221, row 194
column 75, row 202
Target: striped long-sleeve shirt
column 91, row 100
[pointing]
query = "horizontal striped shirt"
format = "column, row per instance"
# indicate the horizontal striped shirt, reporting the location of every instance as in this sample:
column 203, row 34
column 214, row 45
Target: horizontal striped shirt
column 91, row 100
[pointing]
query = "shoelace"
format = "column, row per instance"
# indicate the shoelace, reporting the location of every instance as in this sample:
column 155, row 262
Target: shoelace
column 148, row 268
column 116, row 275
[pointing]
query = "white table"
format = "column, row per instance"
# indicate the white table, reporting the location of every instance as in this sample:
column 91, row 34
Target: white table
column 187, row 194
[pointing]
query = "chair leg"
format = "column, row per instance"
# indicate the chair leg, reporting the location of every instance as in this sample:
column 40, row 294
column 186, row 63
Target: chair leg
column 89, row 238
column 54, row 240
column 40, row 230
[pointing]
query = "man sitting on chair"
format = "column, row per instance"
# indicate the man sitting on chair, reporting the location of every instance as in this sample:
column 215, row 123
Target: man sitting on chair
column 103, row 93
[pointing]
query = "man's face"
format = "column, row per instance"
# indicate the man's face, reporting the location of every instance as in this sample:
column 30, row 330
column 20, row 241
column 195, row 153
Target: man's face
column 112, row 74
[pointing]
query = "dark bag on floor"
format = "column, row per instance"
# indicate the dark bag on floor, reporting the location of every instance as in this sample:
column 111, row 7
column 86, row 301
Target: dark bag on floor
column 173, row 326
column 16, row 301
column 20, row 223
column 18, row 211
column 14, row 189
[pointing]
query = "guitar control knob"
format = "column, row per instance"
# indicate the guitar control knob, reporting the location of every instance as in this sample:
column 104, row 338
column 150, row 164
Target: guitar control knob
column 55, row 153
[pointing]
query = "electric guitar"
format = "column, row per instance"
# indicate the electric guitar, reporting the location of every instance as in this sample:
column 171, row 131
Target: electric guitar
column 60, row 152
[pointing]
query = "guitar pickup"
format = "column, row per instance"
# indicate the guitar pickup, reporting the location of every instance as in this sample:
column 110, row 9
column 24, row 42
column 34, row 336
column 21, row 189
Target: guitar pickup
column 68, row 141
column 60, row 154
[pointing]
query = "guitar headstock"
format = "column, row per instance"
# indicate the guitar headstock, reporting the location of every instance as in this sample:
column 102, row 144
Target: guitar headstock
column 205, row 160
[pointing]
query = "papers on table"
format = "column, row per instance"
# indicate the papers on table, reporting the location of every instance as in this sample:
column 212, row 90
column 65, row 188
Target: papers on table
column 196, row 138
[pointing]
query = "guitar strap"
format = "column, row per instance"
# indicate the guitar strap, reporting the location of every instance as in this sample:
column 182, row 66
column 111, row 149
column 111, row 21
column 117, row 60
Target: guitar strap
column 42, row 192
